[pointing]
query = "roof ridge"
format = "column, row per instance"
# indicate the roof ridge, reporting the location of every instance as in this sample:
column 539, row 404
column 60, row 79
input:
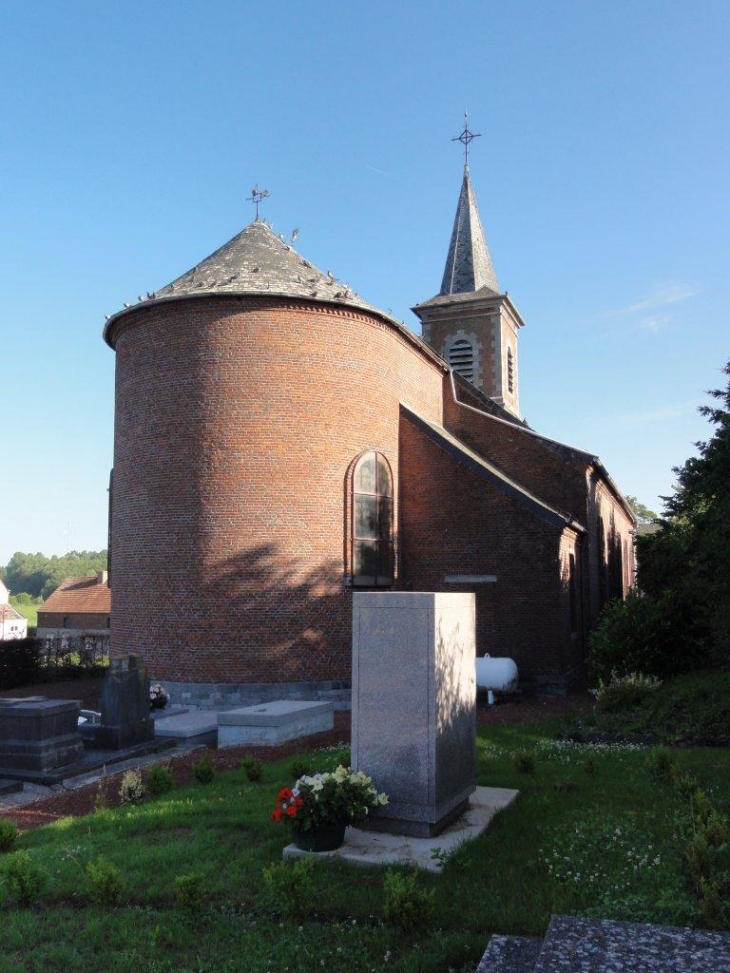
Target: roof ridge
column 507, row 483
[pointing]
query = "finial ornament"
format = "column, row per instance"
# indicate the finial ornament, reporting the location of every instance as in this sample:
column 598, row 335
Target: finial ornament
column 256, row 196
column 465, row 138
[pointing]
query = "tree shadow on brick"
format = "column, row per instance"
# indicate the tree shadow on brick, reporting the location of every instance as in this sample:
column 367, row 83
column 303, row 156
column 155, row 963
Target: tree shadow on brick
column 279, row 619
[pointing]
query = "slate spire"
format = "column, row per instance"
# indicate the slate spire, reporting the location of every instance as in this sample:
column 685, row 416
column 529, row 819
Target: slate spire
column 468, row 265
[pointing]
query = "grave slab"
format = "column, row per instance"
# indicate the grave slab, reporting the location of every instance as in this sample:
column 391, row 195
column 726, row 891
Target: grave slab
column 275, row 722
column 198, row 726
column 577, row 945
column 377, row 848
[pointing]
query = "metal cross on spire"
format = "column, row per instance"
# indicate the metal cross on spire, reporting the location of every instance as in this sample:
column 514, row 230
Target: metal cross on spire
column 465, row 138
column 256, row 196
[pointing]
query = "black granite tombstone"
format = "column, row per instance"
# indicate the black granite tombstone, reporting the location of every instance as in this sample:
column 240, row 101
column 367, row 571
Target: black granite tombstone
column 125, row 705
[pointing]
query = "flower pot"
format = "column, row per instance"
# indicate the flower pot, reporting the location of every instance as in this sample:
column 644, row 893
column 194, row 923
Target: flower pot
column 326, row 838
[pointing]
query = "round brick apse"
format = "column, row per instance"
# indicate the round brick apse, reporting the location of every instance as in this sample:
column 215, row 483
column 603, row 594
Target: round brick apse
column 237, row 420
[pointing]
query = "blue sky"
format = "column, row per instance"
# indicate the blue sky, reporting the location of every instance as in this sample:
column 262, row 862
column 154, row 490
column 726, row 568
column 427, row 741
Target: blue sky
column 132, row 133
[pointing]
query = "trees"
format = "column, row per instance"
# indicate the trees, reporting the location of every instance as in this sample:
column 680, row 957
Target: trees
column 38, row 575
column 681, row 619
column 699, row 520
column 642, row 513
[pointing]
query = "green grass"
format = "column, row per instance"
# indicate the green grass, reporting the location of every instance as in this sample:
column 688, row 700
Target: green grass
column 28, row 609
column 590, row 835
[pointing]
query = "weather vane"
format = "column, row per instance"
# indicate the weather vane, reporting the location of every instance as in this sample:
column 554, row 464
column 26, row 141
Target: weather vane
column 256, row 196
column 465, row 138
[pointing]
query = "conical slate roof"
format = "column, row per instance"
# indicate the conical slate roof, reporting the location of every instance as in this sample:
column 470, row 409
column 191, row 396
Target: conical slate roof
column 257, row 261
column 468, row 265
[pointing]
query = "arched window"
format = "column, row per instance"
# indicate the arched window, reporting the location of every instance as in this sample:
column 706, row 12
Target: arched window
column 372, row 522
column 461, row 358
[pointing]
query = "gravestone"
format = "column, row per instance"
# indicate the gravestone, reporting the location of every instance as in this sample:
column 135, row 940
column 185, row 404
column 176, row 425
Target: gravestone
column 414, row 705
column 39, row 734
column 125, row 705
column 269, row 724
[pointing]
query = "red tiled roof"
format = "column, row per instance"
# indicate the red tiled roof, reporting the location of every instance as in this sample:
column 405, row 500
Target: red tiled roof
column 77, row 595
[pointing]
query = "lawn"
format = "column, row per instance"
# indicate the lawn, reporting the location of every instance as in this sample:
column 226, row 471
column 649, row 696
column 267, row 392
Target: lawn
column 29, row 609
column 591, row 834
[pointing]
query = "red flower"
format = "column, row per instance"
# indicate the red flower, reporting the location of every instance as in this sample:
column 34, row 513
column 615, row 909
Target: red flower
column 276, row 815
column 285, row 794
column 291, row 811
column 299, row 802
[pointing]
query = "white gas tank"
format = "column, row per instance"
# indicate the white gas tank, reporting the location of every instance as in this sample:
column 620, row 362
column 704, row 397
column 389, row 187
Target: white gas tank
column 497, row 674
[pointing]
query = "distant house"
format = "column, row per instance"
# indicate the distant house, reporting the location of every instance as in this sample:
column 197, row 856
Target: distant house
column 78, row 606
column 13, row 625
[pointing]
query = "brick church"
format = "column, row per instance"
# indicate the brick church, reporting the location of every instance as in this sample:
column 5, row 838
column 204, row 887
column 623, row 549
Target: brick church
column 280, row 443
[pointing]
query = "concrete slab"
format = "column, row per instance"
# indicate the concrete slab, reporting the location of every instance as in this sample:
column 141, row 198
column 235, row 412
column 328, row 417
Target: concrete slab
column 380, row 849
column 269, row 724
column 192, row 726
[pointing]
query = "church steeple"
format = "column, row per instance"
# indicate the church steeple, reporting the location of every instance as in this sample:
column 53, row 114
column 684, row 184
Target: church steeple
column 468, row 264
column 470, row 323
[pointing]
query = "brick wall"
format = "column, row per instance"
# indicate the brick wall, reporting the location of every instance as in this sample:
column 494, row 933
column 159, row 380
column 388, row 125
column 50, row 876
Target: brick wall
column 237, row 420
column 91, row 621
column 455, row 522
column 567, row 479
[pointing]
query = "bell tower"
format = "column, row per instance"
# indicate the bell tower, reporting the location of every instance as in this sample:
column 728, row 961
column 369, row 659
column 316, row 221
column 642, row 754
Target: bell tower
column 470, row 322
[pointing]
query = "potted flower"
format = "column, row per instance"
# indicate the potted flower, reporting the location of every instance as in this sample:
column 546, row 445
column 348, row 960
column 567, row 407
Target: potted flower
column 319, row 808
column 159, row 696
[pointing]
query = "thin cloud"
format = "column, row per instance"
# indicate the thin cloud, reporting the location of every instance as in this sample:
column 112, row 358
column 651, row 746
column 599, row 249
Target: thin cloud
column 664, row 295
column 381, row 172
column 653, row 324
column 652, row 416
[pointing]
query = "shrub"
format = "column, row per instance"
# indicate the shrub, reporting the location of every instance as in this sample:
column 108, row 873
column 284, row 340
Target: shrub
column 253, row 768
column 105, row 881
column 622, row 693
column 300, row 768
column 661, row 766
column 646, row 634
column 26, row 880
column 290, row 886
column 189, row 892
column 159, row 779
column 590, row 766
column 524, row 761
column 131, row 790
column 406, row 905
column 204, row 770
column 8, row 834
column 100, row 799
column 20, row 662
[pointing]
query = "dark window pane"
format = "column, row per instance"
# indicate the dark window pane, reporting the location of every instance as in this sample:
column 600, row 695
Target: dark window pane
column 365, row 474
column 386, row 518
column 366, row 517
column 384, row 485
column 366, row 558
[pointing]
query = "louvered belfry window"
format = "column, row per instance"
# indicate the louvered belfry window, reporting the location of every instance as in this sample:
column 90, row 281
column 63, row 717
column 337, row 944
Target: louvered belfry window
column 372, row 529
column 461, row 358
column 510, row 371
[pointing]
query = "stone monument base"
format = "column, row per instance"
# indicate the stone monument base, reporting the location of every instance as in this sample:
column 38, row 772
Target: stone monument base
column 39, row 734
column 380, row 849
column 419, row 821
